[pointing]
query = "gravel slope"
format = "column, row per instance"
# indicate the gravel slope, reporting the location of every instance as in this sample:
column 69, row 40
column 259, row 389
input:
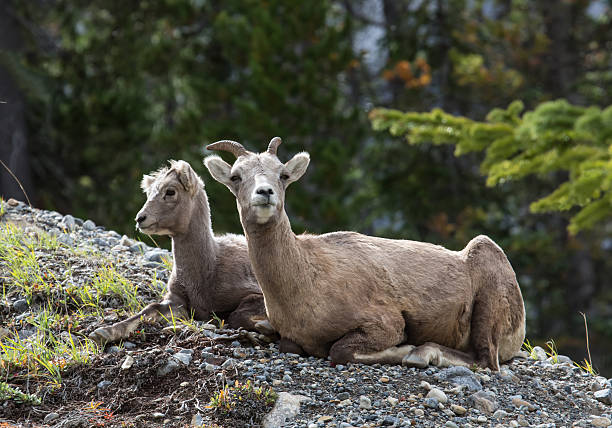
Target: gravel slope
column 166, row 377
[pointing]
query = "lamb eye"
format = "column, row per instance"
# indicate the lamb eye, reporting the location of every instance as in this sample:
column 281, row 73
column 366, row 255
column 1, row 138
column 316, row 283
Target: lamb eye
column 284, row 177
column 170, row 192
column 235, row 178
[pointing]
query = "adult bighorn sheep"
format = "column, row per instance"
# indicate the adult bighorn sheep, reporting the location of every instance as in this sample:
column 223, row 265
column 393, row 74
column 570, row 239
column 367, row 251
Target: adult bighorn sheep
column 210, row 273
column 365, row 299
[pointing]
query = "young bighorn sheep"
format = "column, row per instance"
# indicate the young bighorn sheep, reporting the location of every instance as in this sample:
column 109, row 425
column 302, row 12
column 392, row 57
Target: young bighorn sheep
column 210, row 273
column 365, row 299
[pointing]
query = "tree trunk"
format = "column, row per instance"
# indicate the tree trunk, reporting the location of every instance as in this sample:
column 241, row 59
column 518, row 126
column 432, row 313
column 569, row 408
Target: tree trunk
column 13, row 133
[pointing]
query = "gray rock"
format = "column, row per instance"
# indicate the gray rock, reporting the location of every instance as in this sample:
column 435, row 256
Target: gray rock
column 170, row 366
column 451, row 424
column 138, row 247
column 365, row 402
column 228, row 364
column 104, row 384
column 184, row 358
column 438, row 395
column 156, row 255
column 343, row 396
column 197, row 420
column 21, row 306
column 66, row 239
column 125, row 241
column 89, row 225
column 604, row 396
column 69, row 222
column 483, row 401
column 539, row 353
column 432, row 403
column 460, row 375
column 50, row 417
column 287, row 406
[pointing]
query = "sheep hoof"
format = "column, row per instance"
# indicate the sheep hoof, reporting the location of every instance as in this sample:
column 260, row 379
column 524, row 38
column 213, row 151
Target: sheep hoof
column 412, row 360
column 101, row 335
column 264, row 327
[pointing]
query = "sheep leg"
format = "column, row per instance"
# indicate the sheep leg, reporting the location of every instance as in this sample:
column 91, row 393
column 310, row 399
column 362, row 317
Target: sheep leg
column 288, row 346
column 484, row 336
column 373, row 342
column 151, row 313
column 436, row 355
column 250, row 315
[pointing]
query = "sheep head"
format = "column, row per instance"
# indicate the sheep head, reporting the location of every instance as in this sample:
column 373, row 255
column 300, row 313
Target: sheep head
column 258, row 181
column 170, row 199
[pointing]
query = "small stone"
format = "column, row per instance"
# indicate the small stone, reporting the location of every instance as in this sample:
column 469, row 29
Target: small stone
column 483, row 401
column 500, row 414
column 482, row 419
column 183, row 357
column 184, row 384
column 170, row 366
column 384, row 379
column 539, row 353
column 13, row 202
column 392, row 400
column 438, row 395
column 211, row 367
column 69, row 222
column 287, row 406
column 365, row 402
column 425, row 385
column 156, row 255
column 513, row 424
column 432, row 403
column 104, row 384
column 197, row 420
column 125, row 241
column 419, row 412
column 325, row 419
column 89, row 225
column 522, row 421
column 228, row 364
column 389, row 420
column 138, row 247
column 604, row 396
column 50, row 417
column 451, row 424
column 127, row 363
column 156, row 415
column 128, row 345
column 343, row 396
column 460, row 375
column 458, row 410
column 288, row 379
column 21, row 306
column 518, row 402
column 209, row 327
column 597, row 421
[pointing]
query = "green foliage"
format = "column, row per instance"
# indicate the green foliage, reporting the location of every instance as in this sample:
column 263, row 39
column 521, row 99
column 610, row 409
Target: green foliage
column 238, row 395
column 556, row 137
column 137, row 83
column 7, row 392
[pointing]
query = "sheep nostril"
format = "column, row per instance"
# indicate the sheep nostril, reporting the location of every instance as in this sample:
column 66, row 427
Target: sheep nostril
column 141, row 219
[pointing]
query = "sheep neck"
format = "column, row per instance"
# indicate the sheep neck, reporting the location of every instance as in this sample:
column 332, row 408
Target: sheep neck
column 195, row 250
column 273, row 249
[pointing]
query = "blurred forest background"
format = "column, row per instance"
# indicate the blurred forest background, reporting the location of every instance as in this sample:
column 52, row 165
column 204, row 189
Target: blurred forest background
column 96, row 93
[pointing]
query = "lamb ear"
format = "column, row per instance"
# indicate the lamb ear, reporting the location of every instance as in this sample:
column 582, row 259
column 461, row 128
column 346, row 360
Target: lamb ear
column 185, row 174
column 219, row 169
column 146, row 182
column 296, row 166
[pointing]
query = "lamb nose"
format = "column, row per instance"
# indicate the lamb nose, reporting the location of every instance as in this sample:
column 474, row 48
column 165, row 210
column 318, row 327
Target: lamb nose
column 141, row 219
column 265, row 191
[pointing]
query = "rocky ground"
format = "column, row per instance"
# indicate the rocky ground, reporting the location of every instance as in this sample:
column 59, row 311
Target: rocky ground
column 167, row 376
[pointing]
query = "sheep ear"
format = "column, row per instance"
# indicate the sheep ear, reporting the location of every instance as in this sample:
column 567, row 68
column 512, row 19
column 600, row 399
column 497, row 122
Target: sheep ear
column 186, row 175
column 296, row 166
column 146, row 182
column 219, row 169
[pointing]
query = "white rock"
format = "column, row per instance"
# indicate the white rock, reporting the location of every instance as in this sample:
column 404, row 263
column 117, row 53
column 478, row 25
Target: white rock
column 539, row 353
column 392, row 400
column 287, row 406
column 365, row 402
column 438, row 395
column 600, row 421
column 425, row 384
column 127, row 363
column 604, row 396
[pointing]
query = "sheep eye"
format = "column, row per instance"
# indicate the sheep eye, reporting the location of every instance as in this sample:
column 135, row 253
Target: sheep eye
column 284, row 177
column 170, row 192
column 235, row 178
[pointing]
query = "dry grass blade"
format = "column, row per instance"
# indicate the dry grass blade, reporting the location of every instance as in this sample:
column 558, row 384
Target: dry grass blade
column 18, row 182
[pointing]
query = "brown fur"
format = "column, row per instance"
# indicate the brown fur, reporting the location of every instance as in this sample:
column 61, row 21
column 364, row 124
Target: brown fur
column 356, row 297
column 210, row 273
